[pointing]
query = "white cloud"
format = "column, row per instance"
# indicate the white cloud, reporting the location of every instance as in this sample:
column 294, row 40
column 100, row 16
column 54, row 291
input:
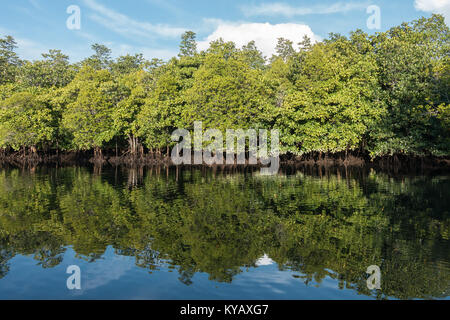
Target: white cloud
column 103, row 272
column 264, row 261
column 265, row 34
column 434, row 6
column 271, row 9
column 127, row 26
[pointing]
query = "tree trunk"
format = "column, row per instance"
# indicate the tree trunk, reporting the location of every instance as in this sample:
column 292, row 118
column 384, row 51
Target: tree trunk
column 131, row 142
column 97, row 153
column 133, row 145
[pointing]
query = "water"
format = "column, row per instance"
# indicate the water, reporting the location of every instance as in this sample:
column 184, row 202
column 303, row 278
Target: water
column 209, row 234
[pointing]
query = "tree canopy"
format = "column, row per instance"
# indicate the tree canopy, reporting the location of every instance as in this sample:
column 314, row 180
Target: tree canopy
column 382, row 94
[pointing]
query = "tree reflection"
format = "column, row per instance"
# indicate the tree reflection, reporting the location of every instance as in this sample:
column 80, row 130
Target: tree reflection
column 318, row 227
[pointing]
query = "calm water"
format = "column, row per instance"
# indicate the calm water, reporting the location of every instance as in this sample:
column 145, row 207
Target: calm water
column 205, row 234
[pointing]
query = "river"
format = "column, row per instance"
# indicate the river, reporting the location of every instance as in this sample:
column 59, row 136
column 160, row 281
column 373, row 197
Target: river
column 211, row 233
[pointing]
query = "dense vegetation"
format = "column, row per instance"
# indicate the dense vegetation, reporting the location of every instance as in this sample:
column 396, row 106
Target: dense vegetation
column 381, row 95
column 334, row 226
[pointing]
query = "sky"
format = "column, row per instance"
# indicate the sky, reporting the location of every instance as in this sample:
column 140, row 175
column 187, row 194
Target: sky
column 154, row 27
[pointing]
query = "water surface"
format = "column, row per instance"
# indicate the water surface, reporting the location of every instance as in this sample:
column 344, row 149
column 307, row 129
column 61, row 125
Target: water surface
column 198, row 233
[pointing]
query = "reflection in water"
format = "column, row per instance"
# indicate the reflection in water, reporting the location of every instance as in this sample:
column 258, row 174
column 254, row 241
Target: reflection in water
column 318, row 225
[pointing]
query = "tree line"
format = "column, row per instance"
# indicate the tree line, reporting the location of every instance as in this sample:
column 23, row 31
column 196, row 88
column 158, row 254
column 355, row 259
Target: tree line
column 383, row 94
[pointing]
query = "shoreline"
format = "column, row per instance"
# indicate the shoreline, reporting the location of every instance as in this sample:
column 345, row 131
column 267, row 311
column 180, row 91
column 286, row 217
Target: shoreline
column 332, row 160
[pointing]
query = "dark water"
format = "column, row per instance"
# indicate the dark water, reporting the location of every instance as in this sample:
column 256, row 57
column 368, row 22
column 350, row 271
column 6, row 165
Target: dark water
column 205, row 234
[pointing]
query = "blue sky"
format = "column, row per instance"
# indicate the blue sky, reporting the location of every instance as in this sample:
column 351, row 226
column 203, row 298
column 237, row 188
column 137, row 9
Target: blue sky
column 153, row 27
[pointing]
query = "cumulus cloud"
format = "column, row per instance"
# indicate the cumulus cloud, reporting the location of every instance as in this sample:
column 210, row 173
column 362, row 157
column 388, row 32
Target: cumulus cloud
column 264, row 34
column 271, row 9
column 434, row 6
column 265, row 260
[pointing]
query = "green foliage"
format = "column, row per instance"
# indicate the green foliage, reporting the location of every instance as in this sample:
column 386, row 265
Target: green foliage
column 133, row 88
column 226, row 92
column 381, row 95
column 101, row 59
column 128, row 64
column 332, row 102
column 188, row 45
column 160, row 115
column 409, row 57
column 253, row 57
column 284, row 49
column 26, row 120
column 9, row 61
column 53, row 71
column 90, row 100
